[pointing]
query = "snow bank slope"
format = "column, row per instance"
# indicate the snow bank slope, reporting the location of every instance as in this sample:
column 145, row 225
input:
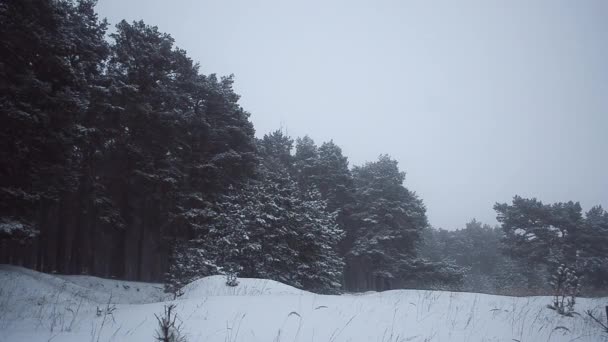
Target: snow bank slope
column 31, row 285
column 269, row 311
column 216, row 286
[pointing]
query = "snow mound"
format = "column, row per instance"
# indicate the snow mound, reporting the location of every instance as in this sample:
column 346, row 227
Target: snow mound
column 39, row 287
column 216, row 286
column 37, row 307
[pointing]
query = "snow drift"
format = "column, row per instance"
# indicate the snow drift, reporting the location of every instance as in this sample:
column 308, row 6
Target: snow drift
column 42, row 307
column 216, row 286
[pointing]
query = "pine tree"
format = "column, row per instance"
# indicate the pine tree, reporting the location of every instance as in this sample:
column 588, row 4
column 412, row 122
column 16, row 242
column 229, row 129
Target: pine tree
column 335, row 181
column 539, row 235
column 319, row 263
column 326, row 170
column 476, row 251
column 306, row 163
column 592, row 244
column 269, row 228
column 51, row 52
column 111, row 147
column 388, row 219
column 311, row 228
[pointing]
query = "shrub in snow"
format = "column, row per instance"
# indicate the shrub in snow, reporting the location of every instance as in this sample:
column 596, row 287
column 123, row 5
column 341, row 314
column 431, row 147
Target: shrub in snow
column 106, row 312
column 168, row 330
column 231, row 279
column 566, row 286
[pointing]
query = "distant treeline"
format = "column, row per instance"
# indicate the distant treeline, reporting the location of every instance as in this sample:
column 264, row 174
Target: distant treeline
column 119, row 159
column 521, row 256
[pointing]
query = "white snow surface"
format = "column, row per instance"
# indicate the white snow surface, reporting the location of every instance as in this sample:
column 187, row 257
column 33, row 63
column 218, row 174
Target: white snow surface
column 42, row 307
column 216, row 286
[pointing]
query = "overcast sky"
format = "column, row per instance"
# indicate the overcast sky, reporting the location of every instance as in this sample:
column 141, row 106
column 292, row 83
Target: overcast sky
column 478, row 101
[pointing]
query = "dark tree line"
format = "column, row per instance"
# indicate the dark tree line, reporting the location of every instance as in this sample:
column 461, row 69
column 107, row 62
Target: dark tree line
column 522, row 255
column 120, row 159
column 306, row 219
column 106, row 147
column 546, row 236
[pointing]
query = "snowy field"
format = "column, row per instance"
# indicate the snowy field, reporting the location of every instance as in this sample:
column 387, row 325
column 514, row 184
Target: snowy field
column 41, row 307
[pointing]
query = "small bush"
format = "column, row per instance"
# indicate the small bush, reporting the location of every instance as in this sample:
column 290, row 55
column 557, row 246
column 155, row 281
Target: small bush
column 231, row 279
column 168, row 330
column 566, row 287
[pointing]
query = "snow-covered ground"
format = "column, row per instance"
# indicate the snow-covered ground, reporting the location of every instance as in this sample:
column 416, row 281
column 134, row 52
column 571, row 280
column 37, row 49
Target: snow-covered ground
column 42, row 307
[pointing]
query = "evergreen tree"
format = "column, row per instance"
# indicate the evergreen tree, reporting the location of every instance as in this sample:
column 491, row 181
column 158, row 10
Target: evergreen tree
column 310, row 234
column 180, row 139
column 276, row 147
column 50, row 56
column 268, row 229
column 592, row 245
column 111, row 148
column 540, row 236
column 335, row 181
column 306, row 163
column 476, row 251
column 388, row 220
column 326, row 170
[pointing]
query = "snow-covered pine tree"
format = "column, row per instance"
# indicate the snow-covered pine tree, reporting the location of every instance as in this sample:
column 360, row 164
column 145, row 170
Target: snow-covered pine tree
column 313, row 229
column 387, row 221
column 335, row 181
column 540, row 236
column 306, row 163
column 320, row 266
column 49, row 64
column 269, row 228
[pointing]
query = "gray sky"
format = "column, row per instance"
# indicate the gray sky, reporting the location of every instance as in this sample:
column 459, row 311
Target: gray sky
column 477, row 100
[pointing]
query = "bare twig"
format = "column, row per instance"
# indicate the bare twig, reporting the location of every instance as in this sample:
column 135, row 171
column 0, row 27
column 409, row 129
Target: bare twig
column 597, row 320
